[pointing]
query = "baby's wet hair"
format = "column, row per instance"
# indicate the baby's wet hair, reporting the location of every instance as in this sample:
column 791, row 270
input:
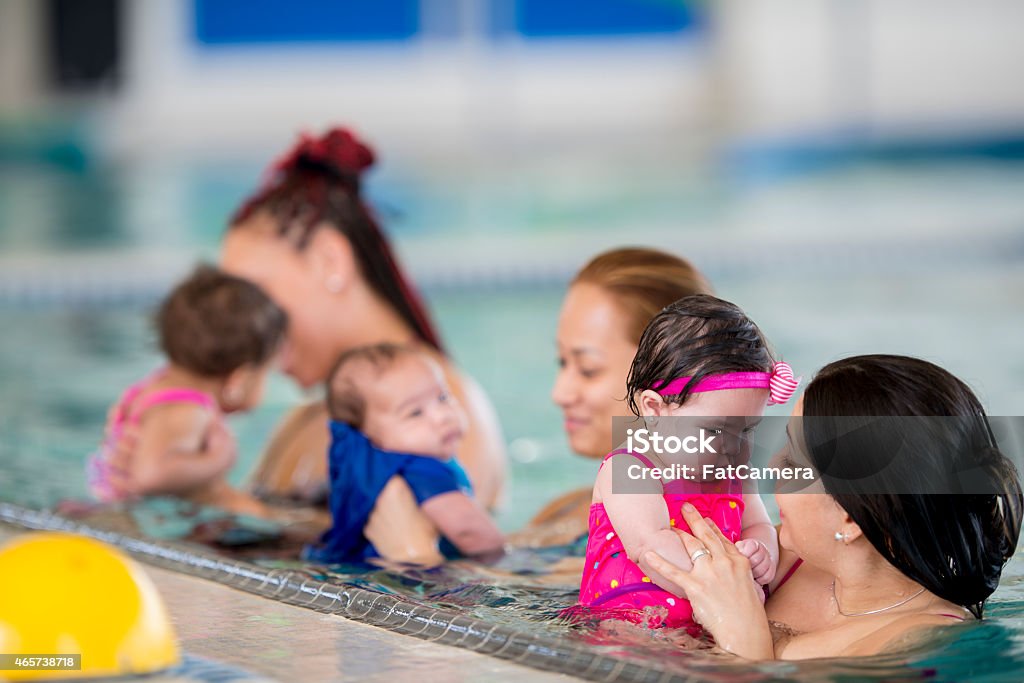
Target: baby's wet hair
column 345, row 399
column 213, row 323
column 697, row 336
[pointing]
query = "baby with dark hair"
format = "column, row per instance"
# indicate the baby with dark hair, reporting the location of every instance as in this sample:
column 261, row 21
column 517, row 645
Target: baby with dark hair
column 393, row 415
column 703, row 359
column 220, row 335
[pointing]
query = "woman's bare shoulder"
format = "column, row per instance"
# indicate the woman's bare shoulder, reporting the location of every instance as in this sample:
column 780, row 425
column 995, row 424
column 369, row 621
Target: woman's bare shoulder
column 574, row 503
column 561, row 521
column 800, row 603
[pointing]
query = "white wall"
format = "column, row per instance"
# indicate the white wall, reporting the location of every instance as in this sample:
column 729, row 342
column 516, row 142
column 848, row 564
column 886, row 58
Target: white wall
column 768, row 69
column 889, row 67
column 21, row 56
column 439, row 95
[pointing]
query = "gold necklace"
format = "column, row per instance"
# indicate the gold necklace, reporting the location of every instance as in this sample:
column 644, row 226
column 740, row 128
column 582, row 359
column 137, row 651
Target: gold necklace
column 872, row 611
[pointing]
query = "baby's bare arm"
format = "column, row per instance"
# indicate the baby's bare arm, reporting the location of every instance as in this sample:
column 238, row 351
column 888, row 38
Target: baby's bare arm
column 465, row 523
column 181, row 447
column 642, row 523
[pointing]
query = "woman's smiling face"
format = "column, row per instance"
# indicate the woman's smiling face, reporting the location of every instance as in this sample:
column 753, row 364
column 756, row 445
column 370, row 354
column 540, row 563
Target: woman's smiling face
column 594, row 355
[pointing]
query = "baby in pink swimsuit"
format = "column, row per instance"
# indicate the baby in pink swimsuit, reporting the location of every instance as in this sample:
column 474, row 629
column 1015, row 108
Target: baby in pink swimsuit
column 703, row 359
column 220, row 334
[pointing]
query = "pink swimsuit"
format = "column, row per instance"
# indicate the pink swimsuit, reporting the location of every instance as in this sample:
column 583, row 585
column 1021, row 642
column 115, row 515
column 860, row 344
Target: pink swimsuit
column 615, row 587
column 129, row 411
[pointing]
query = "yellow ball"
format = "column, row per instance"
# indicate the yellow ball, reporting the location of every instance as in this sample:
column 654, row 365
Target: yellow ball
column 64, row 594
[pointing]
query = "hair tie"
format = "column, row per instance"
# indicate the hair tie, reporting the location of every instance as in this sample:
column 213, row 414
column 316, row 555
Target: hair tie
column 782, row 385
column 337, row 150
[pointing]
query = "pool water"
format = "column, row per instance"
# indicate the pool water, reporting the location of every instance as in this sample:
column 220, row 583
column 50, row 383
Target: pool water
column 953, row 655
column 60, row 369
column 919, row 260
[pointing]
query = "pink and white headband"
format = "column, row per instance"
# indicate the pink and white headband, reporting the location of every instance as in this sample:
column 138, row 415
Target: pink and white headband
column 780, row 383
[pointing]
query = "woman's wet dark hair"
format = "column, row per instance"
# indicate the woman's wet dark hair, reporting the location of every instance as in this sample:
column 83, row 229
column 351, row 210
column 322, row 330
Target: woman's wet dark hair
column 697, row 336
column 318, row 183
column 953, row 544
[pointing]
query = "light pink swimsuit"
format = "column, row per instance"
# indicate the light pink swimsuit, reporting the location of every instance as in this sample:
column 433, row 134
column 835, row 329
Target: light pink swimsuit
column 129, row 411
column 615, row 587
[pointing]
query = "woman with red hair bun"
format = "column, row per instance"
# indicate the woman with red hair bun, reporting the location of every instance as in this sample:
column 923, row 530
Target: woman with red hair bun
column 308, row 238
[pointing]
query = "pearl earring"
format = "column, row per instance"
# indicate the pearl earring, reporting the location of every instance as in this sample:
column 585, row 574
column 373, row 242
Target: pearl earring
column 840, row 536
column 334, row 284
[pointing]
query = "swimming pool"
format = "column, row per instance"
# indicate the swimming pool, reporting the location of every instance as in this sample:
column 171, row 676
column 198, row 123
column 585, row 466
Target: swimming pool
column 503, row 615
column 918, row 260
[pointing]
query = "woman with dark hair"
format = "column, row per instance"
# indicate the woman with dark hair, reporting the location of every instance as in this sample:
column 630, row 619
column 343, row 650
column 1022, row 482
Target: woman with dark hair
column 868, row 561
column 308, row 238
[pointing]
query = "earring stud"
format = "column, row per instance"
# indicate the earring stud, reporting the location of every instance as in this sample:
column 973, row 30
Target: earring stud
column 840, row 536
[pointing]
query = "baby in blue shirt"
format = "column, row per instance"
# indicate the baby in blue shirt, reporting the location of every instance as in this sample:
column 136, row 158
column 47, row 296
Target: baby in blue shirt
column 392, row 415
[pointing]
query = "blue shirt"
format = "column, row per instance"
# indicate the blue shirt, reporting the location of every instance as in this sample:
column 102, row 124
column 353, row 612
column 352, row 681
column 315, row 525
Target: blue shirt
column 358, row 472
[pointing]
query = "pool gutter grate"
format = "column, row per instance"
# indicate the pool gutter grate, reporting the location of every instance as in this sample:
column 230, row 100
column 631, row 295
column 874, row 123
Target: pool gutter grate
column 391, row 612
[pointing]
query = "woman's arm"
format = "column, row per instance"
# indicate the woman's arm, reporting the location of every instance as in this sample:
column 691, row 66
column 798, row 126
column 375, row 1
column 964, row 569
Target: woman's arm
column 399, row 530
column 720, row 587
column 571, row 505
column 561, row 521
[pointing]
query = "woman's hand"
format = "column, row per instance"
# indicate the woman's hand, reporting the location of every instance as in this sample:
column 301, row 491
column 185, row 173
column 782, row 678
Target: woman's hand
column 720, row 588
column 220, row 446
column 120, row 476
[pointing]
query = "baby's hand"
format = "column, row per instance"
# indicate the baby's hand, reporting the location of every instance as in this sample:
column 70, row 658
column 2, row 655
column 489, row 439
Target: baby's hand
column 760, row 560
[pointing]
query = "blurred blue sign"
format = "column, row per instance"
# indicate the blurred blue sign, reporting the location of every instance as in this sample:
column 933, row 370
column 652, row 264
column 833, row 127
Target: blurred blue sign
column 231, row 22
column 555, row 18
column 241, row 22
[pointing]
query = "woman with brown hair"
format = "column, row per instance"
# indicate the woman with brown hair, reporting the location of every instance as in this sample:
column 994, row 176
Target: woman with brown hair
column 607, row 307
